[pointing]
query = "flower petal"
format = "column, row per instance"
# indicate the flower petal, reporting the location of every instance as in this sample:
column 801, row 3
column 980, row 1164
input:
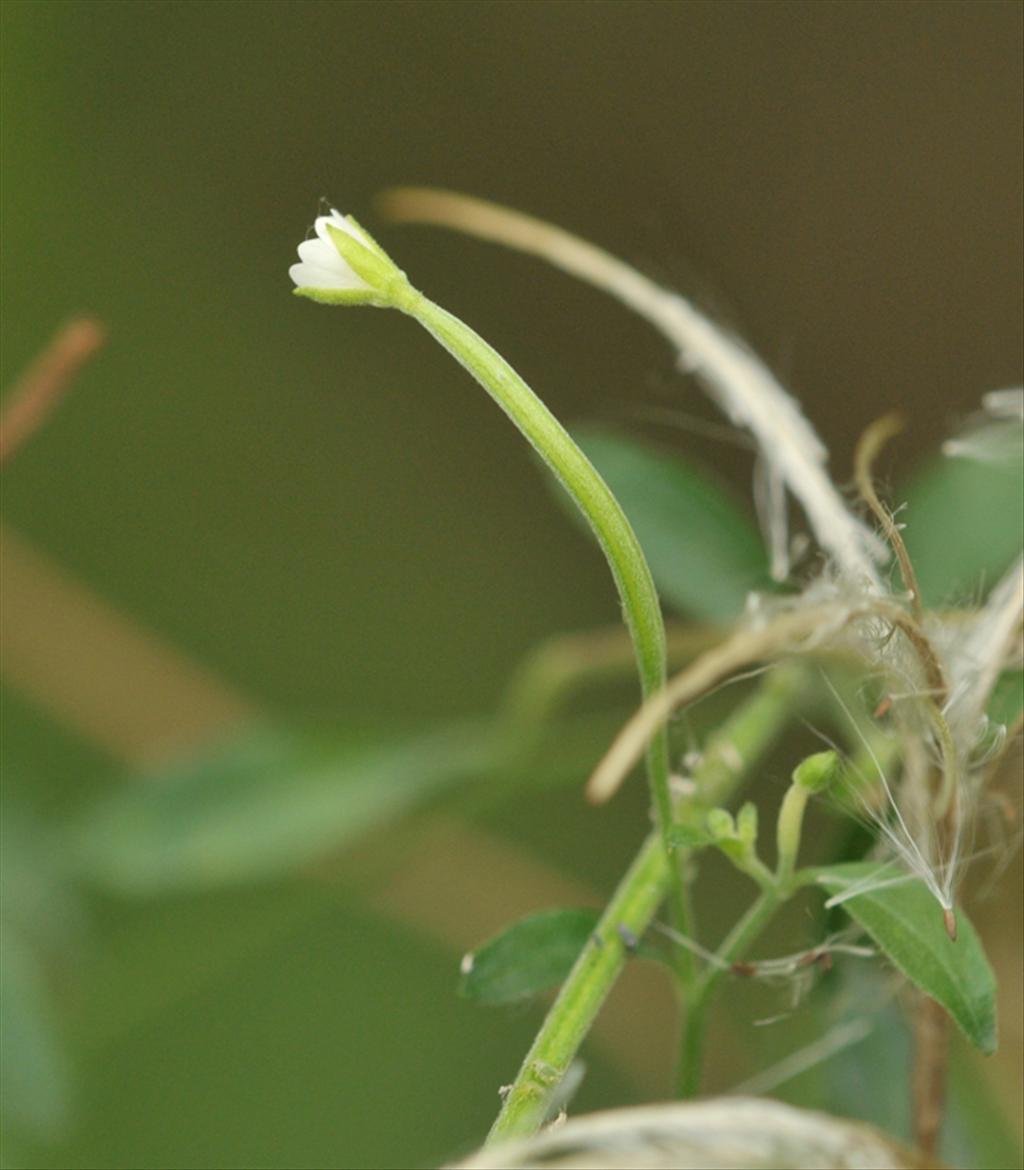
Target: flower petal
column 321, row 255
column 307, row 275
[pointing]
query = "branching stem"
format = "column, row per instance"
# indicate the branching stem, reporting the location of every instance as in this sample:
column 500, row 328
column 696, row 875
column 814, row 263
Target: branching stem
column 737, row 746
column 742, row 935
column 633, row 906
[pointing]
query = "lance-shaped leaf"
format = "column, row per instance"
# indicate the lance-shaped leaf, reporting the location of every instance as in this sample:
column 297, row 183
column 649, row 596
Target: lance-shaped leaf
column 907, row 924
column 535, row 954
column 527, row 957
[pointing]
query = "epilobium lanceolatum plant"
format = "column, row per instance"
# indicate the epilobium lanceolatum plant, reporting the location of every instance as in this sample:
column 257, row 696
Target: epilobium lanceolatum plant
column 915, row 692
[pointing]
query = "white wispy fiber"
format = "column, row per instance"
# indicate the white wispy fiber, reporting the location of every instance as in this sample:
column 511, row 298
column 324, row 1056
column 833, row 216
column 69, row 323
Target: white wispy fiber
column 912, row 838
column 1008, row 403
column 988, row 645
column 735, row 377
column 721, row 1134
column 997, row 436
column 772, row 514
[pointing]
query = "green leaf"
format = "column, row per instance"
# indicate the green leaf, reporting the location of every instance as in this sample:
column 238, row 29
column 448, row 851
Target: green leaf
column 964, row 521
column 704, row 552
column 856, row 1078
column 907, row 924
column 262, row 806
column 528, row 957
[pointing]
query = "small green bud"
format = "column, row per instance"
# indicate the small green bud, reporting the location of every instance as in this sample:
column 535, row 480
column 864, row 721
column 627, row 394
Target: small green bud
column 746, row 824
column 721, row 826
column 817, row 772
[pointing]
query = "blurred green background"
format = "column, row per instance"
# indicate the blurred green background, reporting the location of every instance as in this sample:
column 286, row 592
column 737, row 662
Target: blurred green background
column 323, row 512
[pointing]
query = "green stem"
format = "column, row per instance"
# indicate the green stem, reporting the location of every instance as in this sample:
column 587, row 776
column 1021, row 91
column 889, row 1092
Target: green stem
column 729, row 755
column 789, row 828
column 597, row 503
column 633, row 906
column 742, row 935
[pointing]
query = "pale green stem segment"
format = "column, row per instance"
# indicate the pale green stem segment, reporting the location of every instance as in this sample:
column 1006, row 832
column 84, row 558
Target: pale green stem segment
column 788, row 830
column 594, row 499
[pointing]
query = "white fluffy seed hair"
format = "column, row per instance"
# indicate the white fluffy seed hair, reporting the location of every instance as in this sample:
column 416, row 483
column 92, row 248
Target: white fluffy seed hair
column 734, row 376
column 996, row 435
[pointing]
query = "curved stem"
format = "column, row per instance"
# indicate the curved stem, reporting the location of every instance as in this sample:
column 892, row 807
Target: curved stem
column 869, row 445
column 595, row 500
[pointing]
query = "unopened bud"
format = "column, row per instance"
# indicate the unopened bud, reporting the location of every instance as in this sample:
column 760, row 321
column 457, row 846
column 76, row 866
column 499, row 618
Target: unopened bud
column 746, row 824
column 817, row 772
column 721, row 826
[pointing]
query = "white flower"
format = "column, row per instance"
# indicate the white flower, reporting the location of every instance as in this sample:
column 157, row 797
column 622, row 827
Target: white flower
column 322, row 265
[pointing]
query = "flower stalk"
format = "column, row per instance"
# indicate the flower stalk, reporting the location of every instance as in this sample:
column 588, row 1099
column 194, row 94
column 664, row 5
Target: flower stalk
column 358, row 271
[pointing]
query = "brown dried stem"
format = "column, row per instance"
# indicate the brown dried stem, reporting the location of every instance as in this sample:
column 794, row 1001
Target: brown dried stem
column 39, row 391
column 928, row 1089
column 868, row 449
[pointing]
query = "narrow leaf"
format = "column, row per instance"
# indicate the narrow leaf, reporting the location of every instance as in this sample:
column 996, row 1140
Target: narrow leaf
column 528, row 957
column 907, row 924
column 263, row 806
column 705, row 553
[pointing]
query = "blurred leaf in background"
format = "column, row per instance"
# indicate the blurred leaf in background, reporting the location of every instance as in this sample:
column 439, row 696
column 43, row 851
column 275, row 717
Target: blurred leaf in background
column 264, row 806
column 704, row 553
column 964, row 520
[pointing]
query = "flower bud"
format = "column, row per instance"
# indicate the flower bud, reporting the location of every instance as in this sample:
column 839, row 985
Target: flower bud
column 721, row 826
column 746, row 824
column 817, row 772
